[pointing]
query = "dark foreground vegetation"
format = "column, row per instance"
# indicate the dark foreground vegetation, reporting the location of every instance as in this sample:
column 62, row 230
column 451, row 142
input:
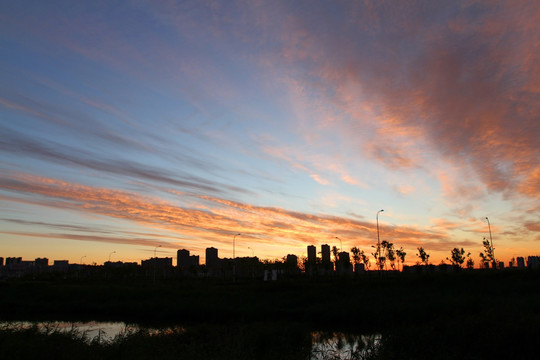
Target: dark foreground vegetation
column 205, row 341
column 464, row 315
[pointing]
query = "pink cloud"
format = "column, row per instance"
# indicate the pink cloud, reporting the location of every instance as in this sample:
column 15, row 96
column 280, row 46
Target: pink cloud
column 350, row 180
column 463, row 87
column 319, row 179
column 405, row 189
column 533, row 226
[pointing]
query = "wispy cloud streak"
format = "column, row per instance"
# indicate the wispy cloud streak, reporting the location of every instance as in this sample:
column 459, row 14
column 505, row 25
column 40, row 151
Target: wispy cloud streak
column 214, row 221
column 69, row 156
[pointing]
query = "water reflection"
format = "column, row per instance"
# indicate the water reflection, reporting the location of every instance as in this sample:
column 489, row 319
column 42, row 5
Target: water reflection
column 91, row 331
column 324, row 345
column 341, row 346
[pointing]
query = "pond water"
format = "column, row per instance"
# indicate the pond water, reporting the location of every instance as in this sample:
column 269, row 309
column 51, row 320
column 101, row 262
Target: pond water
column 336, row 345
column 92, row 330
column 324, row 345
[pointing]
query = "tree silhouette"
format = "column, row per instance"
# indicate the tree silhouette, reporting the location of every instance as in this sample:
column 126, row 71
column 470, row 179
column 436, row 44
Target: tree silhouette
column 382, row 258
column 488, row 257
column 389, row 253
column 423, row 255
column 376, row 256
column 358, row 257
column 355, row 255
column 457, row 257
column 401, row 256
column 365, row 259
column 335, row 252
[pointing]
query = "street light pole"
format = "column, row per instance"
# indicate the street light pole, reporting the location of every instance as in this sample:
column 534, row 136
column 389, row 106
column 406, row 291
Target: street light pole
column 234, row 255
column 114, row 252
column 155, row 262
column 82, row 257
column 341, row 244
column 156, row 249
column 378, row 241
column 491, row 240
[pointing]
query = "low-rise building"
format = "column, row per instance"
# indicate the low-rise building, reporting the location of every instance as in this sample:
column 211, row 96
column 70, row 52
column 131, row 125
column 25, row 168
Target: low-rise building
column 533, row 262
column 60, row 265
column 185, row 262
column 41, row 264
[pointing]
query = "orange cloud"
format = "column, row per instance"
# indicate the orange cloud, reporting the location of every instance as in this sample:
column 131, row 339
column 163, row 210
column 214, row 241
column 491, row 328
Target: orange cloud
column 530, row 185
column 211, row 224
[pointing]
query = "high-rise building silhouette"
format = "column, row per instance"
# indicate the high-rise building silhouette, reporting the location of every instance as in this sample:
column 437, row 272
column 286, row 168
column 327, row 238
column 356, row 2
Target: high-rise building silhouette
column 311, row 254
column 325, row 253
column 185, row 261
column 344, row 265
column 182, row 258
column 212, row 259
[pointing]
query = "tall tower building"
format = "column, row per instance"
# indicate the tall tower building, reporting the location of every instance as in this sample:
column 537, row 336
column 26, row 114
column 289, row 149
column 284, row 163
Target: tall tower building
column 311, row 254
column 212, row 259
column 325, row 252
column 182, row 259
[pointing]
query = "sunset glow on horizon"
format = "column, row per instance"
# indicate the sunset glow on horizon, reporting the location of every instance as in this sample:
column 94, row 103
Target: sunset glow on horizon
column 138, row 126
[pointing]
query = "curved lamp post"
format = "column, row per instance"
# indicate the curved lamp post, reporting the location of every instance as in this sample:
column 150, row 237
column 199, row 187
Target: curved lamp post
column 114, row 252
column 82, row 257
column 378, row 241
column 156, row 249
column 491, row 240
column 341, row 244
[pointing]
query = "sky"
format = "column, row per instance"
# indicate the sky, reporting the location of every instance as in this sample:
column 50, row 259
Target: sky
column 130, row 129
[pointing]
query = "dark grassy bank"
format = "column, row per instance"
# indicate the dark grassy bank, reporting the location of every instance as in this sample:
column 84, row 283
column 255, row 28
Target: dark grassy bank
column 457, row 315
column 234, row 341
column 366, row 303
